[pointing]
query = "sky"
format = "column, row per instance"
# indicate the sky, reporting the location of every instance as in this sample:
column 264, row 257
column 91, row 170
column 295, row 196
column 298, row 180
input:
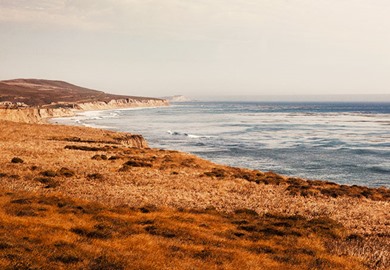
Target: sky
column 200, row 48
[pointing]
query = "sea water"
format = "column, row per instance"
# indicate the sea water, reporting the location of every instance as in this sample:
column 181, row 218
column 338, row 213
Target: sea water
column 348, row 143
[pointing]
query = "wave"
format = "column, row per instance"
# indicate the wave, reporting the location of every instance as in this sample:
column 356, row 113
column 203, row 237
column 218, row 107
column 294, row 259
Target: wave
column 98, row 126
column 193, row 136
column 379, row 169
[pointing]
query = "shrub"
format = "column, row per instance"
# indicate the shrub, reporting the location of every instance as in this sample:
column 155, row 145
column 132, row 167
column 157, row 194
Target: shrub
column 215, row 172
column 137, row 163
column 49, row 182
column 95, row 176
column 66, row 258
column 85, row 148
column 17, row 160
column 49, row 173
column 66, row 172
column 246, row 211
column 99, row 157
column 107, row 263
column 95, row 234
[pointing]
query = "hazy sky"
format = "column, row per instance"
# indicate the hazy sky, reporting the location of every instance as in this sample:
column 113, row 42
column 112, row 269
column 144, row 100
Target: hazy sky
column 200, row 47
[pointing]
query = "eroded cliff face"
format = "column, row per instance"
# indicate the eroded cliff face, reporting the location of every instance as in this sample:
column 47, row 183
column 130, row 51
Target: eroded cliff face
column 38, row 115
column 34, row 115
column 121, row 103
column 132, row 140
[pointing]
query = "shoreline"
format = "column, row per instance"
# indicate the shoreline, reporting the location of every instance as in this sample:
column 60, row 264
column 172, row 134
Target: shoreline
column 135, row 105
column 81, row 112
column 93, row 166
column 154, row 138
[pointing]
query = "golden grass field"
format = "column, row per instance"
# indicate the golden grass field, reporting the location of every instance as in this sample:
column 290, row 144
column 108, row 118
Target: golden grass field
column 82, row 198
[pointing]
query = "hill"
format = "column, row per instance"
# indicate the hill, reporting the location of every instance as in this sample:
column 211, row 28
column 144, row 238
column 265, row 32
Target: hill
column 35, row 92
column 32, row 100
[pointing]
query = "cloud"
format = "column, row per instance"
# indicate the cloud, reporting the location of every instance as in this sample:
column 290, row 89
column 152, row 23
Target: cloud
column 254, row 42
column 169, row 17
column 49, row 14
column 211, row 19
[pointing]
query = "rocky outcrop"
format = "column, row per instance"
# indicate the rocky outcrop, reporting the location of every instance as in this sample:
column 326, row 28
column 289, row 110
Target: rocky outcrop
column 38, row 115
column 132, row 140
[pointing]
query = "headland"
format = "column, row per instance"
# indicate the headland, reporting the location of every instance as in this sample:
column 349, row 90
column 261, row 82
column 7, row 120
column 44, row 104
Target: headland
column 33, row 100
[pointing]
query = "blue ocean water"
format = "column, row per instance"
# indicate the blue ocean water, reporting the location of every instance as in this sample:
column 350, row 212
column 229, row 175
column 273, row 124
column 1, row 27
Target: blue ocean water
column 348, row 143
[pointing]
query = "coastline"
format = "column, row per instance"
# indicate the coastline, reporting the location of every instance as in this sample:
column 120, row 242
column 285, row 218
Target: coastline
column 86, row 112
column 117, row 169
column 291, row 187
column 45, row 118
column 41, row 114
column 355, row 156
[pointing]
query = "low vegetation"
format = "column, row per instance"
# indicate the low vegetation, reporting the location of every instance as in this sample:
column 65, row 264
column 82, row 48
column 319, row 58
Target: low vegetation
column 89, row 200
column 17, row 160
column 55, row 232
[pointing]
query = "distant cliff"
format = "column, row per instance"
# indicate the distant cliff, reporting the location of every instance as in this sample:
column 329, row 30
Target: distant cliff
column 31, row 100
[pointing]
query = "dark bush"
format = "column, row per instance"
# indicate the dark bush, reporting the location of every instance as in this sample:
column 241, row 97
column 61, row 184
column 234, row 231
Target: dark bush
column 96, row 234
column 215, row 172
column 137, row 163
column 148, row 209
column 21, row 201
column 106, row 263
column 66, row 172
column 85, row 148
column 95, row 176
column 246, row 212
column 99, row 157
column 17, row 160
column 43, row 180
column 49, row 173
column 66, row 258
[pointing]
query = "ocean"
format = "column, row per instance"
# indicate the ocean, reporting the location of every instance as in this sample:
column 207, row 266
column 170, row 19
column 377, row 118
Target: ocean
column 347, row 143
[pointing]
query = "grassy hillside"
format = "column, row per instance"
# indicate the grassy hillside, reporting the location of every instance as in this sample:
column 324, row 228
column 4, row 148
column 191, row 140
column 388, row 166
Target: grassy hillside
column 82, row 198
column 34, row 92
column 53, row 232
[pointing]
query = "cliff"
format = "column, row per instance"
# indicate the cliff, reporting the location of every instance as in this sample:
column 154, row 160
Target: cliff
column 32, row 100
column 121, row 103
column 38, row 115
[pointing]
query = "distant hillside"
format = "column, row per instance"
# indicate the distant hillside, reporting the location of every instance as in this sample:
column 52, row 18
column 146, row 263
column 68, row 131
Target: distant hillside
column 35, row 92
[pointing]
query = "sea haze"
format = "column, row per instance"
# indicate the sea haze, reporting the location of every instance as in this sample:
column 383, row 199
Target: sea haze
column 348, row 143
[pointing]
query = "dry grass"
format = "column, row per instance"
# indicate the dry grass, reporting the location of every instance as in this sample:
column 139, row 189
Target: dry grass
column 53, row 232
column 117, row 174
